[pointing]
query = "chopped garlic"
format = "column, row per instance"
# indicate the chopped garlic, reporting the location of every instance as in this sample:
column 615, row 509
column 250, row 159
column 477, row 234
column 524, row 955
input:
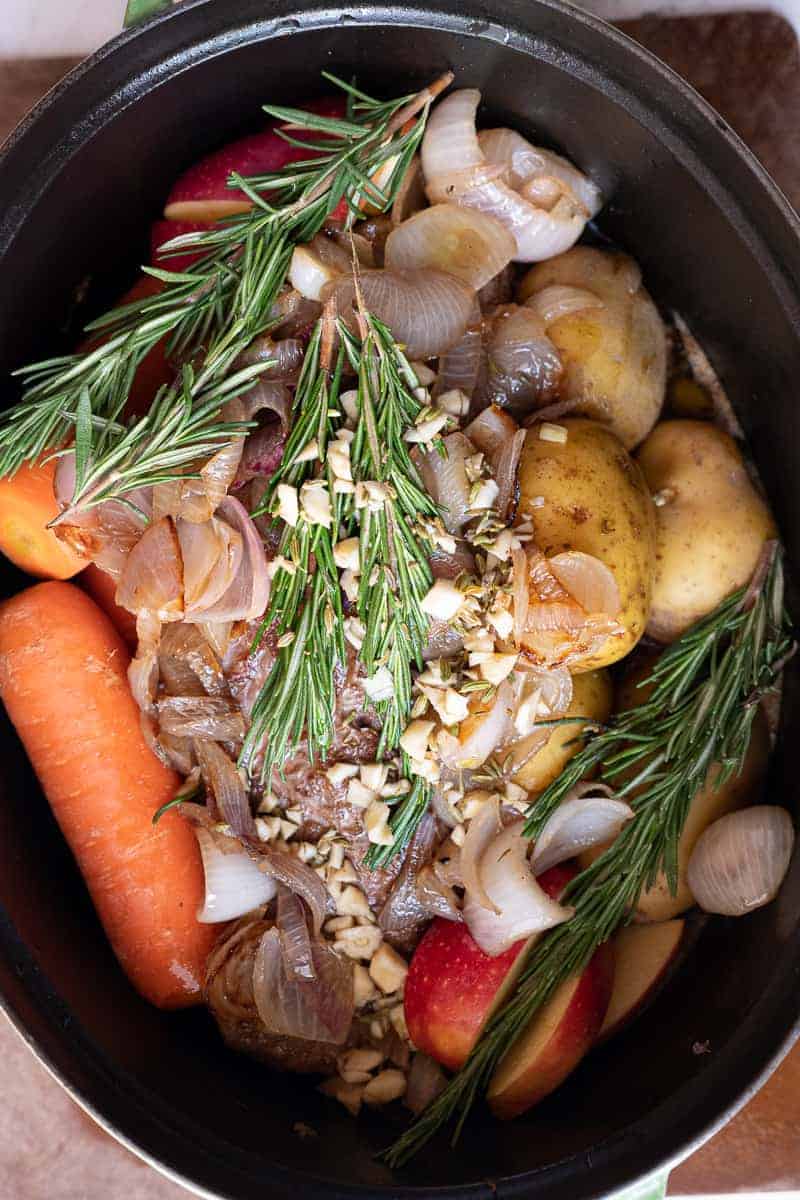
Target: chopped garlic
column 340, row 771
column 345, row 553
column 348, row 1094
column 450, row 705
column 279, row 563
column 309, row 452
column 427, row 430
column 364, row 989
column 345, row 873
column 288, row 829
column 343, row 487
column 353, row 903
column 358, row 795
column 503, row 622
column 360, row 942
column 502, row 545
column 426, row 768
column 359, row 1061
column 486, row 494
column 526, row 714
column 349, row 583
column 316, row 503
column 267, row 829
column 457, row 835
column 339, row 459
column 401, row 787
column 552, row 433
column 478, row 641
column 421, row 394
column 425, row 376
column 354, row 632
column 379, row 686
column 376, row 823
column 473, row 802
column 374, row 775
column 383, row 1088
column 415, row 738
column 372, row 495
column 388, row 969
column 287, row 503
column 443, row 600
column 494, row 667
column 455, row 402
column 445, row 541
column 398, row 1018
column 267, row 803
column 514, row 793
column 337, row 924
column 349, row 402
column 336, row 858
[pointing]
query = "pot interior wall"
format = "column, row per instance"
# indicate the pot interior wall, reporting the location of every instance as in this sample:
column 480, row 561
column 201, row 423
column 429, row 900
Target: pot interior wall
column 86, row 181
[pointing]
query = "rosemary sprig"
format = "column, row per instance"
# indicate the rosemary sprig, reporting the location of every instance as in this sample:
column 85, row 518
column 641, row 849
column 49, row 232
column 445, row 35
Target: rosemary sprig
column 707, row 688
column 226, row 298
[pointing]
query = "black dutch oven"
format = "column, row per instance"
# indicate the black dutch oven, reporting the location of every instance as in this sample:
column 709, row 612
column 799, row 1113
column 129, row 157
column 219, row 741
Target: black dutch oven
column 80, row 181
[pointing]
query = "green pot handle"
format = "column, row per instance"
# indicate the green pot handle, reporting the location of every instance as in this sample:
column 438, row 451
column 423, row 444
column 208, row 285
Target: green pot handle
column 140, row 10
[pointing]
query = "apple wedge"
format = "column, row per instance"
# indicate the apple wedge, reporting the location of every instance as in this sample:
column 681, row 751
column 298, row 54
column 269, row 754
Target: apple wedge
column 556, row 1040
column 452, row 987
column 643, row 954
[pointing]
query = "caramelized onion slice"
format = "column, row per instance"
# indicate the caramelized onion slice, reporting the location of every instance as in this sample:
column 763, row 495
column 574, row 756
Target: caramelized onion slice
column 426, row 310
column 152, row 579
column 445, row 479
column 467, row 243
column 223, row 780
column 315, row 1010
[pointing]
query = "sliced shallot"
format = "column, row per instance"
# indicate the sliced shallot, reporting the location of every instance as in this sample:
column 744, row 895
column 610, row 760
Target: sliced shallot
column 296, row 875
column 450, row 142
column 445, row 478
column 426, row 310
column 519, row 905
column 551, row 175
column 560, row 300
column 314, row 1010
column 588, row 580
column 487, row 727
column 523, row 366
column 580, row 822
column 467, row 243
column 223, row 781
column 740, row 862
column 290, row 919
column 481, row 832
column 152, row 579
column 234, row 884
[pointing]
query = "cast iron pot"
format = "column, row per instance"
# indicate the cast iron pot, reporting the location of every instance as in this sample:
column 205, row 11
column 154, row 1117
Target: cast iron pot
column 80, row 181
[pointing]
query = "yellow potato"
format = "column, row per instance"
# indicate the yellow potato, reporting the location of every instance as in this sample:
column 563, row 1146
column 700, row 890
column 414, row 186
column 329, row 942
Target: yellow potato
column 594, row 501
column 711, row 523
column 615, row 354
column 658, row 903
column 591, row 697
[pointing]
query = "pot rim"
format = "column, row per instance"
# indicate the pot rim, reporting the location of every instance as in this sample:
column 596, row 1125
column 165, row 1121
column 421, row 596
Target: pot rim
column 670, row 1132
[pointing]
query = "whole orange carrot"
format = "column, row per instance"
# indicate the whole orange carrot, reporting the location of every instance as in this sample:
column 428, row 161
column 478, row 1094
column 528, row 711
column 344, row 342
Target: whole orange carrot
column 63, row 681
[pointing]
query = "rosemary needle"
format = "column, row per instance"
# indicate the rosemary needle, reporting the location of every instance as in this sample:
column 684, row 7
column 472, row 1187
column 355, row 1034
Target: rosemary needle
column 706, row 688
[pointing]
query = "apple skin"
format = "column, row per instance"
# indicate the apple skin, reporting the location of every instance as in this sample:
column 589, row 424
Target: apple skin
column 452, row 985
column 201, row 192
column 643, row 955
column 556, row 1039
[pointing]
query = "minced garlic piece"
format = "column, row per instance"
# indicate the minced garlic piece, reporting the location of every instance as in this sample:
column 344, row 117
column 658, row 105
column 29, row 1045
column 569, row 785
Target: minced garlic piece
column 494, row 667
column 340, row 772
column 552, row 433
column 372, row 495
column 478, row 641
column 288, row 510
column 400, row 787
column 359, row 1062
column 364, row 989
column 457, row 835
column 309, row 452
column 502, row 621
column 383, row 1088
column 355, row 632
column 443, row 600
column 455, row 402
column 353, row 903
column 345, row 554
column 349, row 402
column 425, row 376
column 349, row 583
column 374, row 775
column 279, row 563
column 428, row 429
column 315, row 503
column 358, row 795
column 450, row 706
column 485, row 495
column 376, row 823
column 379, row 686
column 427, row 768
column 348, row 1094
column 343, row 487
column 339, row 459
column 398, row 1018
column 415, row 737
column 473, row 802
column 388, row 969
column 359, row 942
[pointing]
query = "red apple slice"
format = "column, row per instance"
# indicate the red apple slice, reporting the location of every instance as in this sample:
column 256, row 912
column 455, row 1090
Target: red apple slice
column 643, row 955
column 201, row 194
column 556, row 1039
column 453, row 988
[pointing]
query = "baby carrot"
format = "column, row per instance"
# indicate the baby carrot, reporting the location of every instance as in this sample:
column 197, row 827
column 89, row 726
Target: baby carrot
column 63, row 681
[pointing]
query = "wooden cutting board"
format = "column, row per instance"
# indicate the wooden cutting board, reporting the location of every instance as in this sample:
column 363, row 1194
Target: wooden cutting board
column 748, row 67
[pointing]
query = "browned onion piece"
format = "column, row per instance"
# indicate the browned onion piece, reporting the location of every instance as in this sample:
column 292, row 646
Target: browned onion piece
column 292, row 315
column 224, row 782
column 588, row 580
column 290, row 920
column 465, row 242
column 410, row 195
column 449, row 566
column 187, row 663
column 460, row 367
column 106, row 533
column 524, row 368
column 481, row 832
column 200, row 716
column 445, row 479
column 410, row 905
column 426, row 1080
column 152, row 579
column 285, row 355
column 296, row 875
column 426, row 310
column 212, row 557
column 143, row 669
column 501, row 440
column 196, row 500
column 247, row 595
column 315, row 1010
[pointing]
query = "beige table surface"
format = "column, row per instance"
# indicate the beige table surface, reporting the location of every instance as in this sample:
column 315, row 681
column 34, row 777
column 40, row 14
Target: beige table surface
column 49, row 1150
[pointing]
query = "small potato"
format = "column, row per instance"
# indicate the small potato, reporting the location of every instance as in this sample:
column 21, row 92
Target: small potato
column 587, row 494
column 708, row 804
column 591, row 697
column 711, row 523
column 615, row 353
